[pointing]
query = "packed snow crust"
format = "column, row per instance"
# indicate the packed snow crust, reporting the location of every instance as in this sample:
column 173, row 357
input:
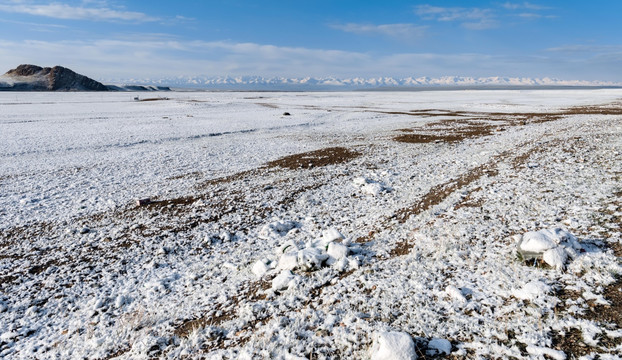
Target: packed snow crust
column 397, row 249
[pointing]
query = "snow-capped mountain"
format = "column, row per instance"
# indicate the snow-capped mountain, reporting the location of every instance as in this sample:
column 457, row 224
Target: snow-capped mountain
column 334, row 83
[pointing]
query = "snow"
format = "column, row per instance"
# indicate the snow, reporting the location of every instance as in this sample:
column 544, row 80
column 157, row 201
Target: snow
column 393, row 346
column 235, row 257
column 439, row 346
column 283, row 281
column 555, row 257
column 533, row 290
column 538, row 351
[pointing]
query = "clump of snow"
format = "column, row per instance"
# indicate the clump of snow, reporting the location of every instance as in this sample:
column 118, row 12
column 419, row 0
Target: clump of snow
column 331, row 234
column 368, row 186
column 393, row 346
column 555, row 257
column 455, row 294
column 336, row 251
column 439, row 346
column 541, row 351
column 310, row 259
column 330, row 249
column 261, row 267
column 276, row 229
column 532, row 290
column 554, row 246
column 283, row 281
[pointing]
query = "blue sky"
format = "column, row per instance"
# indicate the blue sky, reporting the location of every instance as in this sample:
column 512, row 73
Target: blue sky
column 109, row 39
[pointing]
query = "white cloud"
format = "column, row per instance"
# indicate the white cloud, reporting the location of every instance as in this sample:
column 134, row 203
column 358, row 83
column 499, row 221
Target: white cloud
column 69, row 12
column 161, row 57
column 524, row 5
column 470, row 18
column 587, row 49
column 392, row 30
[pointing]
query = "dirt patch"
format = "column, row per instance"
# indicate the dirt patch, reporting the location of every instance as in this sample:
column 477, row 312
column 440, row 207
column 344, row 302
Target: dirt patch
column 194, row 174
column 450, row 137
column 153, row 99
column 614, row 108
column 438, row 193
column 317, row 158
column 267, row 105
column 469, row 200
column 402, row 248
column 253, row 292
column 611, row 314
column 571, row 343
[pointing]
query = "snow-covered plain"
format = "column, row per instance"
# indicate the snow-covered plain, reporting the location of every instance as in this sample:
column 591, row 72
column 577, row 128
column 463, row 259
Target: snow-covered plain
column 311, row 235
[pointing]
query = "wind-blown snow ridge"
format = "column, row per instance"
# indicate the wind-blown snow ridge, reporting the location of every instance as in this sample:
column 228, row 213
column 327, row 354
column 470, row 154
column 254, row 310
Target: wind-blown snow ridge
column 326, row 83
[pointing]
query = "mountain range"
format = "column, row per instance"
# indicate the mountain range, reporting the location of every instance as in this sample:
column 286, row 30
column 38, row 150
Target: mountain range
column 35, row 78
column 358, row 83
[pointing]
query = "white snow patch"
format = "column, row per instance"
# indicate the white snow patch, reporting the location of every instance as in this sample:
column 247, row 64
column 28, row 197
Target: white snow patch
column 532, row 290
column 283, row 281
column 439, row 346
column 393, row 346
column 541, row 351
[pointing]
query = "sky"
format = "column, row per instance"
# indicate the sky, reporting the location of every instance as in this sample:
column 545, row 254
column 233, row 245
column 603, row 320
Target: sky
column 112, row 40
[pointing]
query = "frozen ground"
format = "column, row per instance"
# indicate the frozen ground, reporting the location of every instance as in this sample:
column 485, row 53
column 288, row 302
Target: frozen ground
column 321, row 234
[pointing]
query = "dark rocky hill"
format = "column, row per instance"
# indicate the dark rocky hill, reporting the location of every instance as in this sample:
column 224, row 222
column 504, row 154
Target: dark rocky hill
column 57, row 78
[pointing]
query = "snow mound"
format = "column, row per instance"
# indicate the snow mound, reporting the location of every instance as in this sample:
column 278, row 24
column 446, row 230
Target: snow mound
column 283, row 281
column 329, row 250
column 554, row 246
column 368, row 186
column 393, row 346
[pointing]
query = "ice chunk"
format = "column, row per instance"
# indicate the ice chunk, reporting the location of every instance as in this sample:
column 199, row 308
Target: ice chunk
column 288, row 261
column 543, row 240
column 538, row 241
column 336, row 251
column 555, row 257
column 288, row 247
column 283, row 280
column 311, row 259
column 455, row 294
column 261, row 267
column 532, row 290
column 393, row 346
column 439, row 346
column 359, row 181
column 373, row 189
column 331, row 234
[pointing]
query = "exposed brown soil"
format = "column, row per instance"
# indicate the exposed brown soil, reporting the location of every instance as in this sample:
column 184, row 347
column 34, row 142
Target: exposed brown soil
column 571, row 343
column 438, row 193
column 469, row 200
column 402, row 248
column 154, row 99
column 610, row 314
column 317, row 158
column 464, row 126
column 252, row 293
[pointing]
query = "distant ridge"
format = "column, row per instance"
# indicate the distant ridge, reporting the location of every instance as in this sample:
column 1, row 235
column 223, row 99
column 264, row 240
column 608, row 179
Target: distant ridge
column 35, row 78
column 361, row 83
